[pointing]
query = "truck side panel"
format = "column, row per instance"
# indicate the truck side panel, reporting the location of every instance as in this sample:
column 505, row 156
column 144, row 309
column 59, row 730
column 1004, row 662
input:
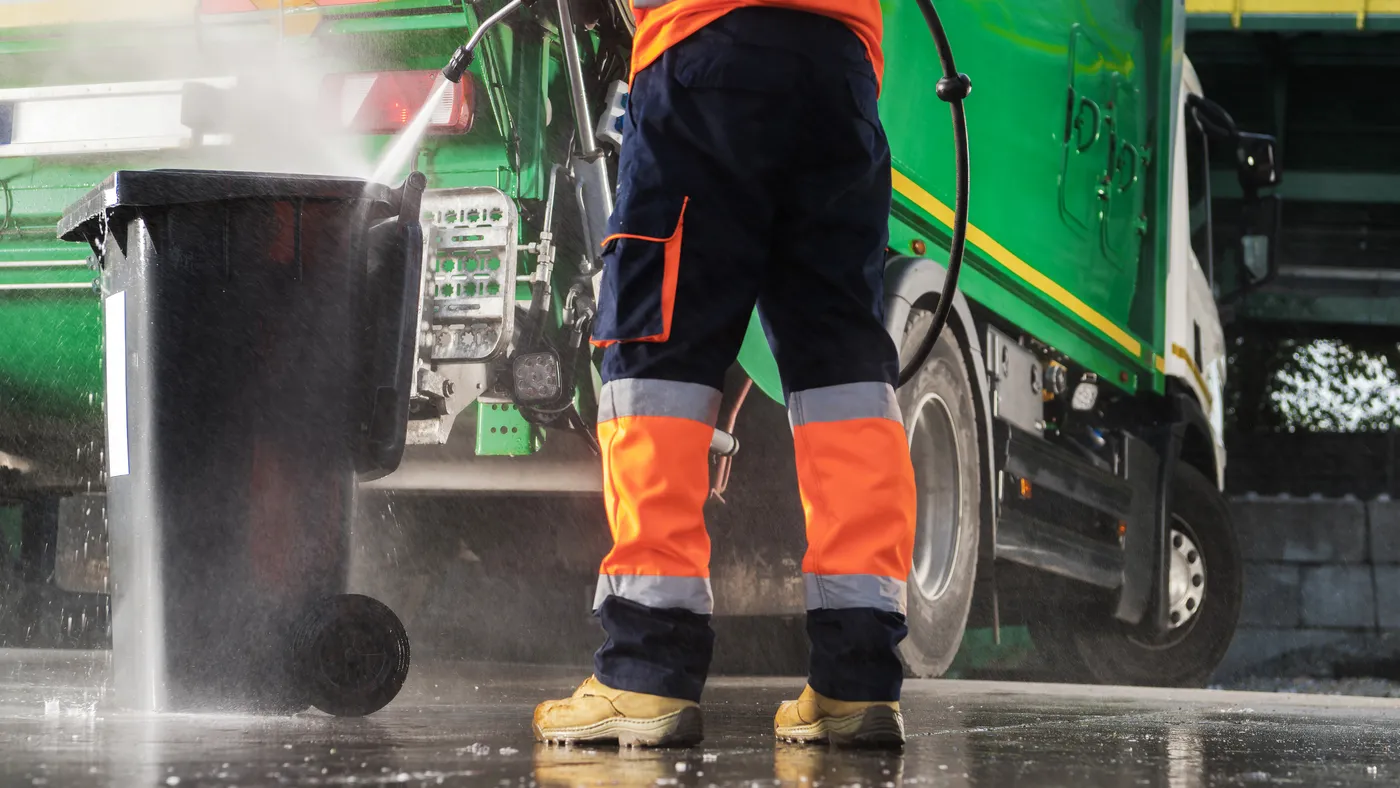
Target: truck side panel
column 1070, row 117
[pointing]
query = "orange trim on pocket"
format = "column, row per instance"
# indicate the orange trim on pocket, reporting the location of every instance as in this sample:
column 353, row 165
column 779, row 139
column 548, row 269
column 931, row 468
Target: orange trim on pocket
column 669, row 279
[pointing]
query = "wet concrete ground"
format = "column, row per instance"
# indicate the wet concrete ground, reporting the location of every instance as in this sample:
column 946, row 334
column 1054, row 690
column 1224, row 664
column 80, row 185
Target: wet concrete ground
column 468, row 724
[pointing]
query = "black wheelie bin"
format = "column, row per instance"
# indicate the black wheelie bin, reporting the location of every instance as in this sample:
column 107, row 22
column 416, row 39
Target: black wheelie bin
column 259, row 335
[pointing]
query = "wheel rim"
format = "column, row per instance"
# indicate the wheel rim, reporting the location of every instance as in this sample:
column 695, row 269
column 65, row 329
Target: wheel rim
column 933, row 448
column 1186, row 579
column 1186, row 588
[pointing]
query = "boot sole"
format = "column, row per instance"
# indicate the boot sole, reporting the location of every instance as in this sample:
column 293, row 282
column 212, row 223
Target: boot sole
column 878, row 727
column 683, row 728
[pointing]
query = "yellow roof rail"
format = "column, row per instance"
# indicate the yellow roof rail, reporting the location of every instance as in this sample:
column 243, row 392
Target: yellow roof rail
column 1239, row 9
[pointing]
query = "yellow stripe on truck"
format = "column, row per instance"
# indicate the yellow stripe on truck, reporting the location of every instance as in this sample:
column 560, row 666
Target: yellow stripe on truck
column 1181, row 353
column 911, row 191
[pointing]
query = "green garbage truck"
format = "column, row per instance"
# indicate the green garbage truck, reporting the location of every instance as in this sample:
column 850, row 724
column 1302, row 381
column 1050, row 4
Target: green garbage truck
column 1066, row 428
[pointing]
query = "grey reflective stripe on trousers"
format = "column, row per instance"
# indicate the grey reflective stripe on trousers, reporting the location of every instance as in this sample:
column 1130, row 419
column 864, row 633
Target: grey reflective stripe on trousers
column 650, row 3
column 843, row 403
column 837, row 592
column 659, row 591
column 644, row 397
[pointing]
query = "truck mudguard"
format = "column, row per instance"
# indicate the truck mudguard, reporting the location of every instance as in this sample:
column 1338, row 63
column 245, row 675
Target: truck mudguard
column 908, row 280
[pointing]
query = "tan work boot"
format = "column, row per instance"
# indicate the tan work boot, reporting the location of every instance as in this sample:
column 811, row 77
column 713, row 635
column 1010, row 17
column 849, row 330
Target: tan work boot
column 816, row 719
column 598, row 713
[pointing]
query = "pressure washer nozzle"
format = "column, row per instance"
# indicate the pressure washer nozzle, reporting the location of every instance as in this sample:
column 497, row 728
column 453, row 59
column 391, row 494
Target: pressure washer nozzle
column 457, row 66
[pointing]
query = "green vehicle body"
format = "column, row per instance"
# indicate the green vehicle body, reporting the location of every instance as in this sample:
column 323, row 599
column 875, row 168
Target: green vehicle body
column 1040, row 255
column 1073, row 125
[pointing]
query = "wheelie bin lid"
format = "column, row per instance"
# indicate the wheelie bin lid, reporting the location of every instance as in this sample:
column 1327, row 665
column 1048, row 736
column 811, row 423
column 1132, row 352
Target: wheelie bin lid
column 135, row 189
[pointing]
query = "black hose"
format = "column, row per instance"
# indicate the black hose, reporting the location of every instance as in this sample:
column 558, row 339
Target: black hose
column 952, row 88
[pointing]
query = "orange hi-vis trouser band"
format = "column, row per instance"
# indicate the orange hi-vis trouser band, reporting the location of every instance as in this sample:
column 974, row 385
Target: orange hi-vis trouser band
column 655, row 439
column 857, row 485
column 854, row 472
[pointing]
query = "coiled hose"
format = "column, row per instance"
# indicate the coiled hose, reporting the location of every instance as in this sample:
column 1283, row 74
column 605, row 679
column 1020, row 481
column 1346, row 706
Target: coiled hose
column 953, row 87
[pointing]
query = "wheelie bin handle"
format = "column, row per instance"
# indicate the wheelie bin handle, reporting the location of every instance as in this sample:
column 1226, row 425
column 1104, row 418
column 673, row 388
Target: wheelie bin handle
column 390, row 369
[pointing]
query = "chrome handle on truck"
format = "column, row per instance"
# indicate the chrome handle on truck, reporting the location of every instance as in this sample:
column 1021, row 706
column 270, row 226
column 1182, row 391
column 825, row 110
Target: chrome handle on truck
column 33, row 286
column 33, row 265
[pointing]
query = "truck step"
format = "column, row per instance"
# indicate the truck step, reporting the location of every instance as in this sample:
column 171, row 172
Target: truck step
column 1047, row 465
column 1026, row 540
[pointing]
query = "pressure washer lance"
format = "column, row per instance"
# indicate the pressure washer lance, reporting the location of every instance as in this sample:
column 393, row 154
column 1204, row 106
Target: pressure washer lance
column 953, row 87
column 462, row 58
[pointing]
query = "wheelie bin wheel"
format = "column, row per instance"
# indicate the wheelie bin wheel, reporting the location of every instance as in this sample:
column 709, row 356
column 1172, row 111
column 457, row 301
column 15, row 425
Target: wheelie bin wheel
column 352, row 655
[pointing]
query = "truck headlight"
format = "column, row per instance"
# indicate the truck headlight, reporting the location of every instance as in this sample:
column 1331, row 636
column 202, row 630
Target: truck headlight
column 537, row 377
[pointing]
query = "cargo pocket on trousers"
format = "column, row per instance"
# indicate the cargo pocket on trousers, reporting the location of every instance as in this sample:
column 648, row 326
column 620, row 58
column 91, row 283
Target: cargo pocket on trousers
column 641, row 268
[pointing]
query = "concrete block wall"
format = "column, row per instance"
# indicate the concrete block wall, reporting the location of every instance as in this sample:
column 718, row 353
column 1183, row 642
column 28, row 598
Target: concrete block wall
column 1317, row 571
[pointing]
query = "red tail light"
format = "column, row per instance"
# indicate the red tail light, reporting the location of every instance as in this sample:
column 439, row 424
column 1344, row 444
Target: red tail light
column 383, row 102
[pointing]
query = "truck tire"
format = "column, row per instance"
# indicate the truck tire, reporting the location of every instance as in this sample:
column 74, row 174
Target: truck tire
column 1088, row 644
column 943, row 440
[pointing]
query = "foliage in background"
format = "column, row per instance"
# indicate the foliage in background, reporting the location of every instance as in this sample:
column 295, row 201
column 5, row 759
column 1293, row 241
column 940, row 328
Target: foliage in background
column 1321, row 385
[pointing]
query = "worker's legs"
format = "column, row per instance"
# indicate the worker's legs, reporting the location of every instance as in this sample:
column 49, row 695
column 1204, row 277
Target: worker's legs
column 721, row 135
column 706, row 125
column 822, row 305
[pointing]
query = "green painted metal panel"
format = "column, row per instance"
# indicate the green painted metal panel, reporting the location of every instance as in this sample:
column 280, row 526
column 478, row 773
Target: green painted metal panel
column 757, row 360
column 1064, row 119
column 982, row 275
column 502, row 432
column 1168, row 41
column 396, row 24
column 985, row 649
column 50, row 354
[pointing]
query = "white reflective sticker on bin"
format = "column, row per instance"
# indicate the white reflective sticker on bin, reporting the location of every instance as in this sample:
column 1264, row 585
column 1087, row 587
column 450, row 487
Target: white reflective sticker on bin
column 114, row 345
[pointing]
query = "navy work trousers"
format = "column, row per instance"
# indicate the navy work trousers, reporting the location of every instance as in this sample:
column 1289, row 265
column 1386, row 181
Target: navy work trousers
column 754, row 170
